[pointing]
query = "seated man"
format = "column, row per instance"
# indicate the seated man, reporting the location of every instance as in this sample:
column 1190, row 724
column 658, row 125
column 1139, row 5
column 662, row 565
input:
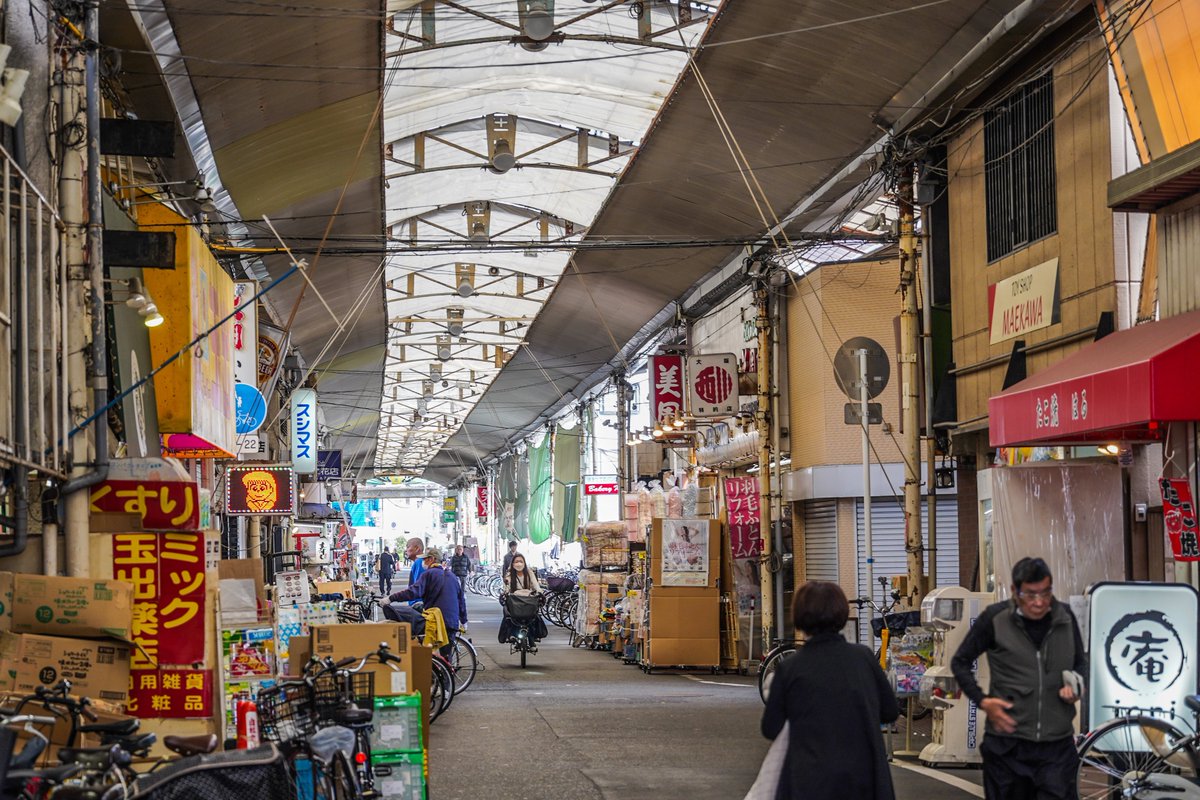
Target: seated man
column 437, row 588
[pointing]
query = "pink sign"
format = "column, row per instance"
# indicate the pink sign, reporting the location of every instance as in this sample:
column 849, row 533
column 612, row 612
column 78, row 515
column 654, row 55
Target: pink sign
column 742, row 502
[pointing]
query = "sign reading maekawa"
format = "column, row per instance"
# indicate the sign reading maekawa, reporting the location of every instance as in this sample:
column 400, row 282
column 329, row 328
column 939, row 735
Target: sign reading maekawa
column 1023, row 303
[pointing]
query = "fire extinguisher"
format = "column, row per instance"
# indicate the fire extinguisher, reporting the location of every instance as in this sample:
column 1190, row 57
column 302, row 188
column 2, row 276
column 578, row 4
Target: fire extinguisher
column 247, row 725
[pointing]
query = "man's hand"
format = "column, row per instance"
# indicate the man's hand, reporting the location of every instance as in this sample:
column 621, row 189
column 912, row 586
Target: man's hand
column 1068, row 694
column 997, row 713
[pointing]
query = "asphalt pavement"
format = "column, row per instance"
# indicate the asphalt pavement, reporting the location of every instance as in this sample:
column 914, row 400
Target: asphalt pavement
column 580, row 724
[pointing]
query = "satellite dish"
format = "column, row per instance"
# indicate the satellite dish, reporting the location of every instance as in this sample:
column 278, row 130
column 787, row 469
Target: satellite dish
column 845, row 367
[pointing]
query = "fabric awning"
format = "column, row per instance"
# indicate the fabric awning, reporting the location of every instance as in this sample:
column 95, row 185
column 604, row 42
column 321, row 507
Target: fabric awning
column 1117, row 389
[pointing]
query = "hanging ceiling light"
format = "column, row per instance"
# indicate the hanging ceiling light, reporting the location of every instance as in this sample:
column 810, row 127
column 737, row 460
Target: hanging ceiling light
column 502, row 156
column 454, row 322
column 477, row 239
column 538, row 21
column 443, row 348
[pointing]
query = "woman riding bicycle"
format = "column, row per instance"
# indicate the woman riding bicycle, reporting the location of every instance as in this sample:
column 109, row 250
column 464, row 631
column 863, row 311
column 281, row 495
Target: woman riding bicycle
column 520, row 580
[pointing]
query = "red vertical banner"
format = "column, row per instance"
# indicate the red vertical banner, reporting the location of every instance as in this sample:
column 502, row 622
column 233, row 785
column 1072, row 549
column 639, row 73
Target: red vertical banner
column 170, row 693
column 481, row 502
column 666, row 388
column 167, row 573
column 742, row 503
column 1179, row 518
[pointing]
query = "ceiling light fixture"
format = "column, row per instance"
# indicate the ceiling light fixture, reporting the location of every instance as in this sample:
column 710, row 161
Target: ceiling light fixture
column 478, row 239
column 538, row 20
column 502, row 156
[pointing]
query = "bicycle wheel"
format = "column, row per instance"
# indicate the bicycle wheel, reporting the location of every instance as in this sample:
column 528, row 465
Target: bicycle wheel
column 441, row 692
column 1135, row 757
column 342, row 779
column 465, row 661
column 767, row 673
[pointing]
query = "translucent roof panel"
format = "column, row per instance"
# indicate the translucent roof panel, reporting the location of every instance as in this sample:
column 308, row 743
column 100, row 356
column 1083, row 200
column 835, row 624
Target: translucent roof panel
column 506, row 126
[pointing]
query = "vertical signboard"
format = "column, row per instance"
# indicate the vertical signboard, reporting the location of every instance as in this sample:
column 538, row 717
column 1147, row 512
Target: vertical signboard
column 481, row 502
column 250, row 404
column 1179, row 518
column 304, row 431
column 666, row 388
column 167, row 573
column 742, row 501
column 1142, row 655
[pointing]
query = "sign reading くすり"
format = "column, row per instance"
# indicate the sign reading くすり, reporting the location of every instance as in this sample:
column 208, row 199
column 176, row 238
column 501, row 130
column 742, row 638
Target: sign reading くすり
column 1025, row 302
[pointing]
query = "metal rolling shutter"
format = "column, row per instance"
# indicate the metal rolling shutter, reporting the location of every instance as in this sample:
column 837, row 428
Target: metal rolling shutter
column 820, row 540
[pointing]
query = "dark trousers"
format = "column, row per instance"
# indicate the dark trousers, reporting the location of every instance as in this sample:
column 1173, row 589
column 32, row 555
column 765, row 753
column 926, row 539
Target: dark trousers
column 385, row 583
column 1018, row 769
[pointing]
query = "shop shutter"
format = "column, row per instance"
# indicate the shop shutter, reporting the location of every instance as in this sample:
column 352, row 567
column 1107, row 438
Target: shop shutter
column 820, row 540
column 887, row 538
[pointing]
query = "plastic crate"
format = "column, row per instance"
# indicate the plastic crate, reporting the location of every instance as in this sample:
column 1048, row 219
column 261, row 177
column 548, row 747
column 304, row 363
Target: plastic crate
column 397, row 727
column 399, row 776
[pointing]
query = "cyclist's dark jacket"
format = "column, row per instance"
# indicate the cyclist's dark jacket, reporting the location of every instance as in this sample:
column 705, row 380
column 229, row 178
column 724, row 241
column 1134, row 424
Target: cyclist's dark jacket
column 1026, row 659
column 460, row 565
column 438, row 587
column 834, row 696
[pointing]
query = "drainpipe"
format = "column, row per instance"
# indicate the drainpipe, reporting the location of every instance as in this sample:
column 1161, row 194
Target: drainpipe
column 74, row 490
column 763, row 419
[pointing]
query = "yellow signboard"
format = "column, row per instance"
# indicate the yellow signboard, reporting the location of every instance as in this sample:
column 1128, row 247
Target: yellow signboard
column 450, row 504
column 196, row 393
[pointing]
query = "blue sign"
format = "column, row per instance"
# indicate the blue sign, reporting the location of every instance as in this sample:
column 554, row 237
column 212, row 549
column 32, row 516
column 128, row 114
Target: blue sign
column 329, row 465
column 251, row 408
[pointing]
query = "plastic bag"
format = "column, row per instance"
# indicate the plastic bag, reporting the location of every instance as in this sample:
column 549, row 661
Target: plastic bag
column 771, row 771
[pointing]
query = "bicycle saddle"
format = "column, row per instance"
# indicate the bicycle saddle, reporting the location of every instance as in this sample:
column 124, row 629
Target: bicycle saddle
column 99, row 758
column 120, row 727
column 28, row 755
column 191, row 745
column 139, row 744
column 353, row 716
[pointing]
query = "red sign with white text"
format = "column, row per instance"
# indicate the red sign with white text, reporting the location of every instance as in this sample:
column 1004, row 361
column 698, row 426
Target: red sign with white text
column 170, row 693
column 666, row 388
column 1179, row 518
column 481, row 502
column 601, row 485
column 742, row 502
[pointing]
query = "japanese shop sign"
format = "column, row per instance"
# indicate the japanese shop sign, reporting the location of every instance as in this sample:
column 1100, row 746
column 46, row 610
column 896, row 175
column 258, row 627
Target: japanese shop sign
column 481, row 502
column 304, row 431
column 712, row 385
column 666, row 387
column 601, row 484
column 170, row 693
column 291, row 587
column 250, row 405
column 329, row 465
column 1179, row 518
column 742, row 502
column 167, row 573
column 450, row 503
column 149, row 505
column 1025, row 302
column 260, row 490
column 1142, row 652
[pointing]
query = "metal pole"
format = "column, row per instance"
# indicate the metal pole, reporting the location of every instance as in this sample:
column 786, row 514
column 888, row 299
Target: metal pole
column 763, row 418
column 930, row 440
column 910, row 388
column 864, row 411
column 622, row 438
column 776, row 447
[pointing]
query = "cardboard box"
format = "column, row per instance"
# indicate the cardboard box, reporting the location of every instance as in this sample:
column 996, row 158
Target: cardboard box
column 72, row 606
column 684, row 630
column 351, row 639
column 299, row 654
column 96, row 668
column 344, row 588
column 6, row 595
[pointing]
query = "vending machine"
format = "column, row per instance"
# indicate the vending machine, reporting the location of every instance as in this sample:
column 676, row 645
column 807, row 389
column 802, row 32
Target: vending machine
column 957, row 722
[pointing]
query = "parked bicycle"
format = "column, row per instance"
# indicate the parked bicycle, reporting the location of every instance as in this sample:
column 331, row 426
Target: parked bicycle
column 1140, row 758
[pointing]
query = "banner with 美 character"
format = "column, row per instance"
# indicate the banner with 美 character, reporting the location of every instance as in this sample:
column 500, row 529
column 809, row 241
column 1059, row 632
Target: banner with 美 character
column 167, row 573
column 170, row 693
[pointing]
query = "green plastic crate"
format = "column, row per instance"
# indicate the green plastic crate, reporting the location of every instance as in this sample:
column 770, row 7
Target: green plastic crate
column 399, row 776
column 397, row 725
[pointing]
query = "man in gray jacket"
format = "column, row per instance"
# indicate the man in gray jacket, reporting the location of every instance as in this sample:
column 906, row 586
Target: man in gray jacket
column 1036, row 657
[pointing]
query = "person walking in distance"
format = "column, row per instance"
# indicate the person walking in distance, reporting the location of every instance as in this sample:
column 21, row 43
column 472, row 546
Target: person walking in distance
column 460, row 563
column 508, row 558
column 1037, row 663
column 834, row 697
column 387, row 568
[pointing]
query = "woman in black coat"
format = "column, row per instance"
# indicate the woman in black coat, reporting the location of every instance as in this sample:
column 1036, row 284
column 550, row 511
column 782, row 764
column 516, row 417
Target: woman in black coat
column 835, row 696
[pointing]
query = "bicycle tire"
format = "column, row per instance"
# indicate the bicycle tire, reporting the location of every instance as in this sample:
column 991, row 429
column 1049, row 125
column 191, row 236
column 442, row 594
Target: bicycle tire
column 465, row 661
column 1142, row 745
column 524, row 652
column 441, row 691
column 342, row 780
column 767, row 671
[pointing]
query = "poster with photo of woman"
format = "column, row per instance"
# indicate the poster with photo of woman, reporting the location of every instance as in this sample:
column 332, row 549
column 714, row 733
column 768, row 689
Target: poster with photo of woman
column 685, row 552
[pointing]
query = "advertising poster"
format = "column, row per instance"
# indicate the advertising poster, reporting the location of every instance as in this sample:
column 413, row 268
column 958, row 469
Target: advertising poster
column 685, row 552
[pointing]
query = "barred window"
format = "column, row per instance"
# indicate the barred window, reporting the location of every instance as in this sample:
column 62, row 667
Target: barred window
column 1018, row 151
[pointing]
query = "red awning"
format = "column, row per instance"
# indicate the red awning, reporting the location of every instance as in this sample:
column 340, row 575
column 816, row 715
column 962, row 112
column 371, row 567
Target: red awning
column 1117, row 389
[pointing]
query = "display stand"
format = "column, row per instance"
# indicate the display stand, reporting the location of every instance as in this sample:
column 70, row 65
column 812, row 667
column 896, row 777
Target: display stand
column 684, row 599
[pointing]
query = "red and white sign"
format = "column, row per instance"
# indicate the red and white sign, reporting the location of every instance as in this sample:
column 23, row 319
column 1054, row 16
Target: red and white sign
column 601, row 484
column 666, row 388
column 1025, row 302
column 1179, row 518
column 712, row 385
column 481, row 502
column 742, row 502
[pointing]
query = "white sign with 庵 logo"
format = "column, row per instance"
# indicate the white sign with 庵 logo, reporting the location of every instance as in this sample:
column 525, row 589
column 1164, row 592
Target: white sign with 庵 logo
column 1142, row 652
column 304, row 431
column 1025, row 302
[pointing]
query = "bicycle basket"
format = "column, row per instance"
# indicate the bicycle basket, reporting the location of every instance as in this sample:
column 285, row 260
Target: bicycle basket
column 335, row 690
column 521, row 607
column 260, row 773
column 286, row 712
column 557, row 584
column 896, row 623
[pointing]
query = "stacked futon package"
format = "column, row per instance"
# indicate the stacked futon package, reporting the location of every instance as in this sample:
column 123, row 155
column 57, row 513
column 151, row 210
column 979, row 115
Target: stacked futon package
column 602, row 580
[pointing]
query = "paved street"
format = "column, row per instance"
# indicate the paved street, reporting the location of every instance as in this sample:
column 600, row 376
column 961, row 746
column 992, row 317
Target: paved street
column 581, row 724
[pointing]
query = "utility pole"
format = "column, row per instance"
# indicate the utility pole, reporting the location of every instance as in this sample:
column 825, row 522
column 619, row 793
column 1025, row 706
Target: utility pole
column 910, row 387
column 864, row 408
column 622, row 439
column 763, row 418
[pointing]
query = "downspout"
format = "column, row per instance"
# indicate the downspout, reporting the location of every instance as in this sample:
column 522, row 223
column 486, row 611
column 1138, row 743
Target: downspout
column 77, row 546
column 20, row 410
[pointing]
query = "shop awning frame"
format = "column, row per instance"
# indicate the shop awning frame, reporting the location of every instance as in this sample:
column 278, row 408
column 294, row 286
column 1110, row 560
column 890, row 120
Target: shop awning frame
column 1124, row 387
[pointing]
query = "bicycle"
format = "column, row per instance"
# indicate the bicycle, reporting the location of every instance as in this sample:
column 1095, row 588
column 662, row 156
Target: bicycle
column 897, row 624
column 1139, row 757
column 464, row 661
column 780, row 649
column 287, row 716
column 346, row 699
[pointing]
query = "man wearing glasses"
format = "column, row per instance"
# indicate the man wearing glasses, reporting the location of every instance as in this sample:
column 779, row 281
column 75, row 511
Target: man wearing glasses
column 1035, row 654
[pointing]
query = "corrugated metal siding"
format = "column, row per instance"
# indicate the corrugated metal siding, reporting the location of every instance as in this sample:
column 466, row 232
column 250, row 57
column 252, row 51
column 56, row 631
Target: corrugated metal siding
column 1178, row 257
column 887, row 540
column 821, row 541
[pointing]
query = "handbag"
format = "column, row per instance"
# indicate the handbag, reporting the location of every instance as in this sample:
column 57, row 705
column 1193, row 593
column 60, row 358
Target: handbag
column 771, row 772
